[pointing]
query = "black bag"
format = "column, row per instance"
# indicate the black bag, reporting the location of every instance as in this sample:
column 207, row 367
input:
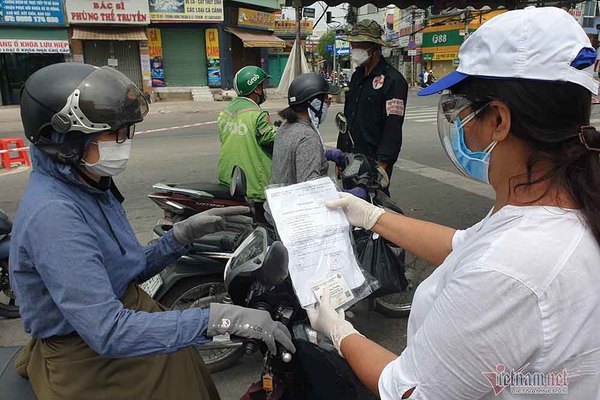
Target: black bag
column 382, row 259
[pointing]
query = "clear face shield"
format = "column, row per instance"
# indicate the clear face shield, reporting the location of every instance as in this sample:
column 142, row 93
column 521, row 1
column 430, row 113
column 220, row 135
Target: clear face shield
column 106, row 101
column 449, row 123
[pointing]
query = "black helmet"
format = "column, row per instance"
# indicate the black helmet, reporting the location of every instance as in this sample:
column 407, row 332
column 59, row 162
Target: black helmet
column 78, row 100
column 306, row 87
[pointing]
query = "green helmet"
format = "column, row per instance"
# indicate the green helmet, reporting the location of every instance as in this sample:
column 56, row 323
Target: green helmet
column 247, row 79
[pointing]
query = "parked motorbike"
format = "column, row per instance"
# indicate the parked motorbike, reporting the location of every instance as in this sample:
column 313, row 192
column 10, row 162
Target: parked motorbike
column 357, row 170
column 257, row 277
column 9, row 308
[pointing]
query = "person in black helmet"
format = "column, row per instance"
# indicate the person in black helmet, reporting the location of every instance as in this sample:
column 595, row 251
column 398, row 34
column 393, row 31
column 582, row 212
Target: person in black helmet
column 298, row 152
column 75, row 261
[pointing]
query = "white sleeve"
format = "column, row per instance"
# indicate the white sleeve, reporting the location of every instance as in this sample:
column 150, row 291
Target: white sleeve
column 481, row 319
column 461, row 235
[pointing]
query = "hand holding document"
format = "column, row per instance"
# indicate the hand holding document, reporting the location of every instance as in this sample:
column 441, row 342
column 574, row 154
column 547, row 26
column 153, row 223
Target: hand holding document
column 317, row 239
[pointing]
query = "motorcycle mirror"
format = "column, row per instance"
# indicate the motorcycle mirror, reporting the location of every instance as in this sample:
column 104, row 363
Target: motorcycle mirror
column 275, row 265
column 341, row 123
column 238, row 182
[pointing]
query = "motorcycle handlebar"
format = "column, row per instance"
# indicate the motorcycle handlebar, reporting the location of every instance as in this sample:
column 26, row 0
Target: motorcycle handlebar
column 225, row 242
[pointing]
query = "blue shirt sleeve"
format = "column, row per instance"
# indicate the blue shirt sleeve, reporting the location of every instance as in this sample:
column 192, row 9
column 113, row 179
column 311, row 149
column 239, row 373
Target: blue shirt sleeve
column 164, row 251
column 68, row 259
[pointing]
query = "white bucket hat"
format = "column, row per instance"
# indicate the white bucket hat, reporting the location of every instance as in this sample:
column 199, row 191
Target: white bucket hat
column 535, row 43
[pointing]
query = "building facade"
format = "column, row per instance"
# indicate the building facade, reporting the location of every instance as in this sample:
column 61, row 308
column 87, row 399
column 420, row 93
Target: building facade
column 33, row 34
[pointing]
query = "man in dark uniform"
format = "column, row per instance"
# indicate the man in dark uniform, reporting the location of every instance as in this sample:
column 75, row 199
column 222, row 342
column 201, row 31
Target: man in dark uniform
column 376, row 101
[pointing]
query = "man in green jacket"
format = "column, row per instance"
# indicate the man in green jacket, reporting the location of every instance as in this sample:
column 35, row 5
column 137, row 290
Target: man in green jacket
column 247, row 134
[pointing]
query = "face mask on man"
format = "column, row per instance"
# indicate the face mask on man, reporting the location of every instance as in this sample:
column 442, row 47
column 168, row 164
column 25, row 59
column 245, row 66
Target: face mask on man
column 360, row 56
column 112, row 158
column 262, row 97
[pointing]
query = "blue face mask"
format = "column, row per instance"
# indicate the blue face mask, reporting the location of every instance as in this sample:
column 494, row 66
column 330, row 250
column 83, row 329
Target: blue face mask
column 475, row 164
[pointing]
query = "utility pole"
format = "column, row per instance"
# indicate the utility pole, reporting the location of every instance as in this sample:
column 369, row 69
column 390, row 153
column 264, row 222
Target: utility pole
column 466, row 24
column 334, row 56
column 412, row 40
column 298, row 55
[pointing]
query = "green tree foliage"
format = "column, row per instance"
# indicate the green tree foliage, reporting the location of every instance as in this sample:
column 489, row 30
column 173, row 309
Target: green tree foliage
column 324, row 40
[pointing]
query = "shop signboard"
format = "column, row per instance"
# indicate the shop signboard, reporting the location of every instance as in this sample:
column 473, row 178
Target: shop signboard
column 308, row 12
column 287, row 28
column 34, row 46
column 157, row 71
column 186, row 10
column 31, row 12
column 120, row 12
column 445, row 56
column 212, row 57
column 442, row 38
column 256, row 19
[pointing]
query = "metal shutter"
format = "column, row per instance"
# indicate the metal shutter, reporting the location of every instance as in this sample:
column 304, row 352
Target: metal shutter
column 184, row 57
column 128, row 54
column 97, row 52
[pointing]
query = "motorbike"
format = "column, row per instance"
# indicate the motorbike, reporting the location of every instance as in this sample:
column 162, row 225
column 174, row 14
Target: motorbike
column 257, row 277
column 9, row 308
column 196, row 279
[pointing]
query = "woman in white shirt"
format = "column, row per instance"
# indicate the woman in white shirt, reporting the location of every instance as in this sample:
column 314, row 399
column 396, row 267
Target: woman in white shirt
column 515, row 299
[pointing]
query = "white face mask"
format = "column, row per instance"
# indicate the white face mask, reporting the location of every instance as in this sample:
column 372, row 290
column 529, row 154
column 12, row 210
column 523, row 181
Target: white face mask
column 359, row 56
column 112, row 160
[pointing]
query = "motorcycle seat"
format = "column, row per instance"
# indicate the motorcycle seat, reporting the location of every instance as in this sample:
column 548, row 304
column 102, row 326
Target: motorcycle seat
column 12, row 385
column 215, row 190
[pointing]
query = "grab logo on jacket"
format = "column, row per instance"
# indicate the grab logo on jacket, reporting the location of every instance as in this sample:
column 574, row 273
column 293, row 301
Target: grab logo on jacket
column 235, row 128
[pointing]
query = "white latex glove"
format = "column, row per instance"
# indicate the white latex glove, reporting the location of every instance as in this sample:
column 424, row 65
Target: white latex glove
column 359, row 212
column 332, row 324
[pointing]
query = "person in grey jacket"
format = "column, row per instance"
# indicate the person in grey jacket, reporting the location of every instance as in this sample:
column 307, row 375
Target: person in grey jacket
column 298, row 151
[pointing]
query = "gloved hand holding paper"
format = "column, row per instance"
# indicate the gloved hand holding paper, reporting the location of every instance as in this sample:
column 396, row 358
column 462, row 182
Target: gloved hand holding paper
column 317, row 239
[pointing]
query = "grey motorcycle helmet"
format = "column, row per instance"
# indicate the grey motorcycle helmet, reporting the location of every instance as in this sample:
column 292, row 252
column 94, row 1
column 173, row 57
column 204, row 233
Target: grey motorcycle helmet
column 79, row 101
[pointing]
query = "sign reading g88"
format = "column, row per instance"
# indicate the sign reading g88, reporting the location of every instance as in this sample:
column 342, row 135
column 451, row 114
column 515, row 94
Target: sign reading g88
column 443, row 38
column 439, row 38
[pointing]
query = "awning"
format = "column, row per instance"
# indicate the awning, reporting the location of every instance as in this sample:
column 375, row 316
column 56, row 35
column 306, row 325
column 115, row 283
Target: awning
column 257, row 39
column 109, row 34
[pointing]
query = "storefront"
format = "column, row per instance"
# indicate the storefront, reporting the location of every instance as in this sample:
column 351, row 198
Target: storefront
column 112, row 33
column 252, row 37
column 32, row 36
column 179, row 36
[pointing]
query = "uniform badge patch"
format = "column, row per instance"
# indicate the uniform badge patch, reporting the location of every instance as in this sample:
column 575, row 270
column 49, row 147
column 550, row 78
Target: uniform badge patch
column 394, row 107
column 378, row 82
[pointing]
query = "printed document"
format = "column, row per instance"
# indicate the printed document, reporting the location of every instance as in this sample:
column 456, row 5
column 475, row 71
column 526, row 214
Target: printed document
column 317, row 238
